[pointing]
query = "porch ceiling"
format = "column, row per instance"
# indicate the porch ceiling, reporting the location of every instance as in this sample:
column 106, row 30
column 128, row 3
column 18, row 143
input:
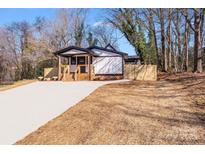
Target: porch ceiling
column 73, row 52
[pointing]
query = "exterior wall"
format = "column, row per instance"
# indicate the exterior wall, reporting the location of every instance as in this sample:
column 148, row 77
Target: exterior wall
column 108, row 65
column 108, row 77
column 140, row 72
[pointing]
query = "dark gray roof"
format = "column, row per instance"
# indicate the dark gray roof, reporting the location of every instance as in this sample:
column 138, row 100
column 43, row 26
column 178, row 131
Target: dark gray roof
column 133, row 57
column 89, row 50
column 73, row 47
column 108, row 50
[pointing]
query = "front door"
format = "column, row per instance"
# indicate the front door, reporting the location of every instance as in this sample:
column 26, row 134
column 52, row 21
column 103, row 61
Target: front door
column 82, row 68
column 82, row 73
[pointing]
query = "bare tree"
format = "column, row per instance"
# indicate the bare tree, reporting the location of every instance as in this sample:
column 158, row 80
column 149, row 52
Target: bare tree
column 61, row 30
column 7, row 73
column 178, row 29
column 197, row 27
column 186, row 42
column 129, row 23
column 79, row 18
column 169, row 38
column 152, row 46
column 91, row 40
column 106, row 34
column 161, row 16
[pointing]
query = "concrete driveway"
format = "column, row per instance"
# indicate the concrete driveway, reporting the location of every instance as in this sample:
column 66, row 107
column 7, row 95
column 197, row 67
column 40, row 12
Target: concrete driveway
column 26, row 108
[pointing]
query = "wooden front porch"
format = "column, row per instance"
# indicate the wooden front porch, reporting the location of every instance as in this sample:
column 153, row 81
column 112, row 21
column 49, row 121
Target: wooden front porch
column 78, row 67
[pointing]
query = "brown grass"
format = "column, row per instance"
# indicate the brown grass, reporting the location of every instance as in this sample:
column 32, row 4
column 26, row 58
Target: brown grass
column 169, row 111
column 15, row 84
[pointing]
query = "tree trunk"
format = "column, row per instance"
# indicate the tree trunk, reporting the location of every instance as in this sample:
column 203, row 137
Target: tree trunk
column 163, row 40
column 155, row 39
column 140, row 56
column 197, row 43
column 179, row 41
column 175, row 55
column 169, row 40
column 156, row 47
column 186, row 52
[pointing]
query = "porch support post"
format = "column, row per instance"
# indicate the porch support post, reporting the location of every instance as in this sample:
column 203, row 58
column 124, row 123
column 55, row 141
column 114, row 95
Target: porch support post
column 69, row 63
column 59, row 68
column 76, row 71
column 89, row 76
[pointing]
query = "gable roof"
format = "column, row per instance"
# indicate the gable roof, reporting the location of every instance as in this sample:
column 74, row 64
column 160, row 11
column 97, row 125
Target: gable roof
column 75, row 48
column 89, row 50
column 110, row 46
column 113, row 50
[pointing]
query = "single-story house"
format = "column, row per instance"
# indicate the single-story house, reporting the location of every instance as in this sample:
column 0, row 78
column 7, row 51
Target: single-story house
column 93, row 63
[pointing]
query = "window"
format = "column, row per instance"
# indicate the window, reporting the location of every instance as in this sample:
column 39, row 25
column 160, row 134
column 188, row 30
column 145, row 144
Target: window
column 73, row 60
column 82, row 69
column 91, row 59
column 81, row 60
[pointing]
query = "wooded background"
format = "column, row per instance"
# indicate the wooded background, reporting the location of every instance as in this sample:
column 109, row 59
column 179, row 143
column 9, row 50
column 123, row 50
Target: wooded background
column 173, row 39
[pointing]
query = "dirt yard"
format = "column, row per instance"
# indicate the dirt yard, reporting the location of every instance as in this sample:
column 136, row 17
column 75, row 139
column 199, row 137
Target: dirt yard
column 15, row 84
column 169, row 111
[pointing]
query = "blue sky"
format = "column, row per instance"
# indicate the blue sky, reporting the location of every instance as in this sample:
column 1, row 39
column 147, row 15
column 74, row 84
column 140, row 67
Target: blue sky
column 8, row 16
